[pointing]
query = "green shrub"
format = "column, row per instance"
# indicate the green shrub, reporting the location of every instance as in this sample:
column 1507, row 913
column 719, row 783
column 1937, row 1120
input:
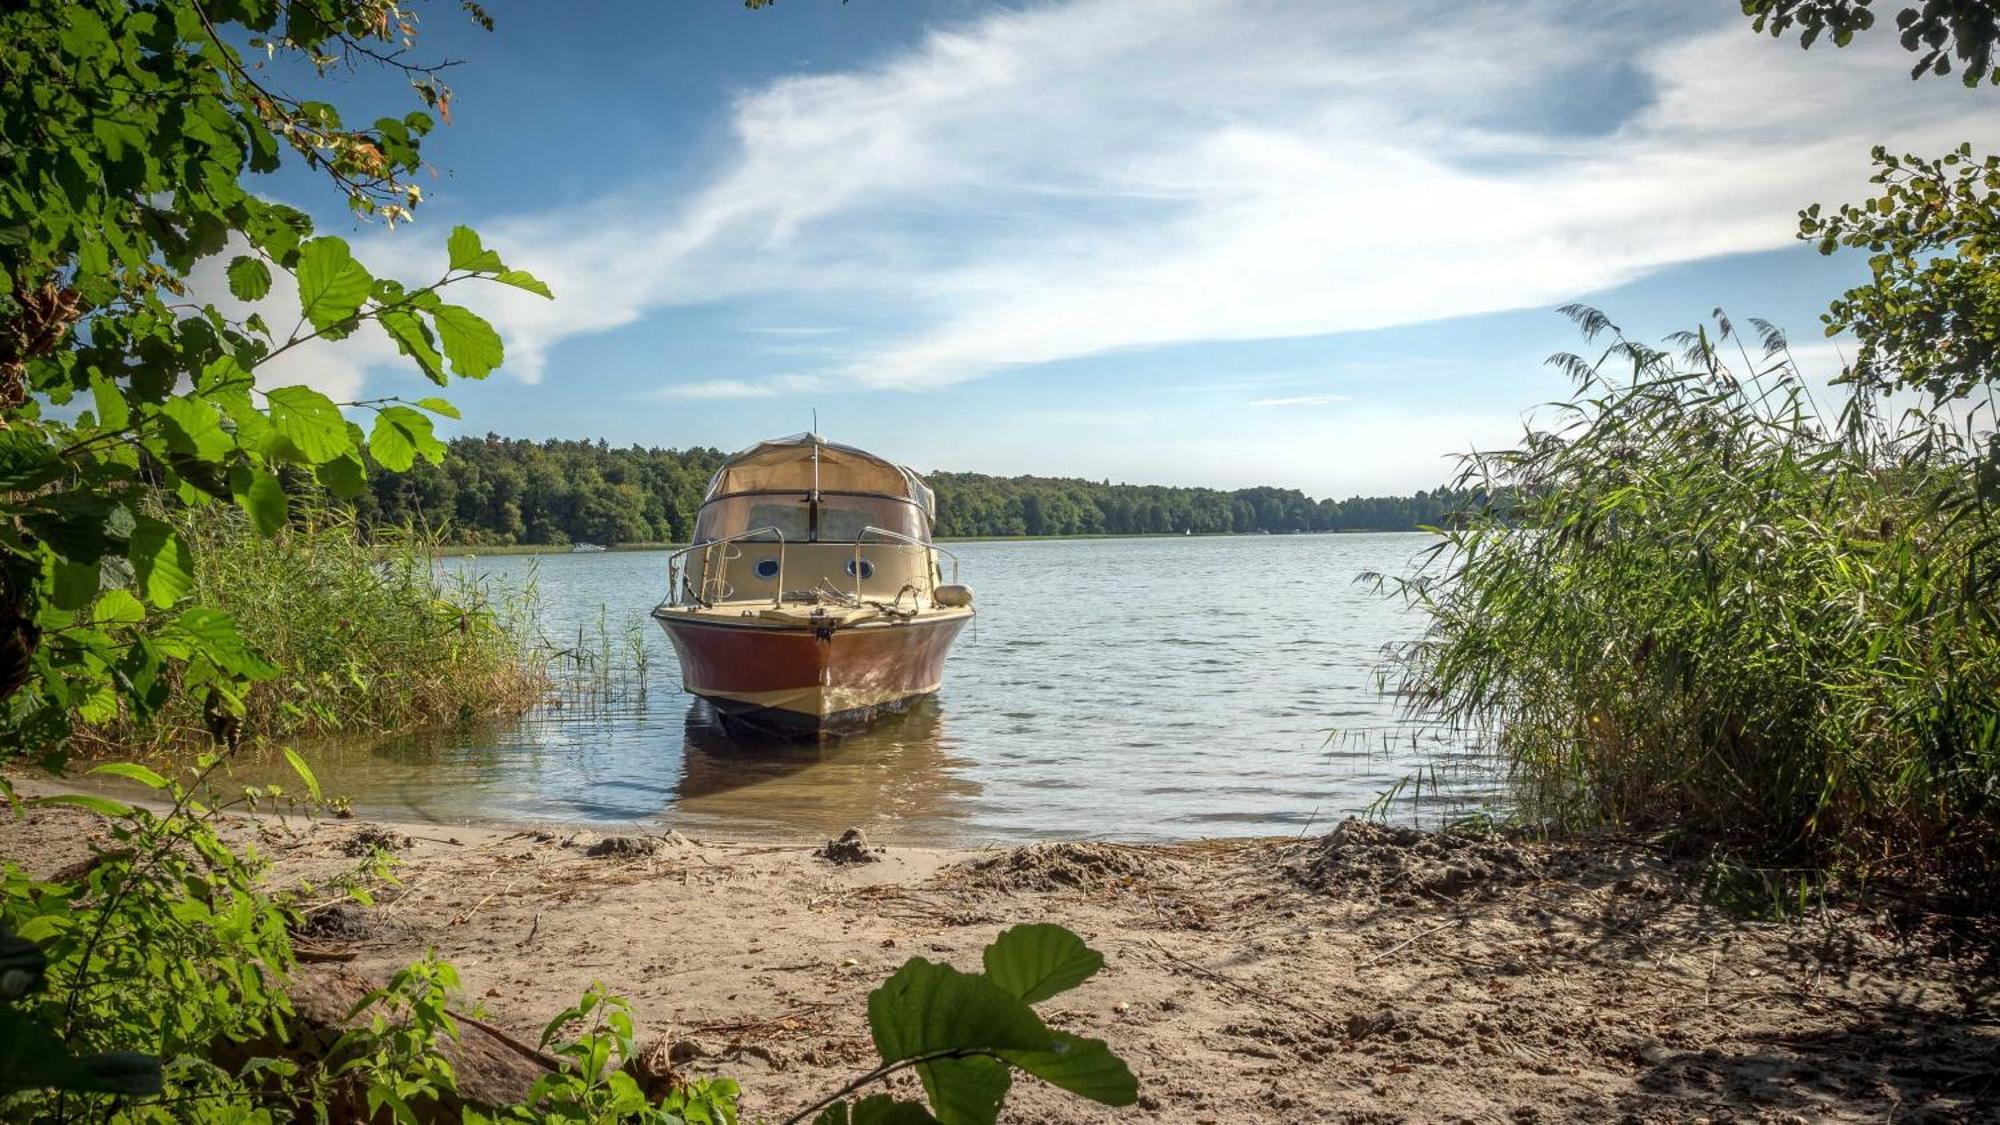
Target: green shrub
column 1709, row 606
column 368, row 635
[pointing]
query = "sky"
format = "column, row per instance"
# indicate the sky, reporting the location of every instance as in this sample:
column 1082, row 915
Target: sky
column 1314, row 244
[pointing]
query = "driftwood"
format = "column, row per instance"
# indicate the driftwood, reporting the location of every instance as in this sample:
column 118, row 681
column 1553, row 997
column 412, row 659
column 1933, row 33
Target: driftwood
column 493, row 1068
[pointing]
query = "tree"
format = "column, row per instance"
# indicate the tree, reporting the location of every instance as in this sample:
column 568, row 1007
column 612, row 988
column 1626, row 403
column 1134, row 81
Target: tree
column 129, row 133
column 1937, row 31
column 1929, row 317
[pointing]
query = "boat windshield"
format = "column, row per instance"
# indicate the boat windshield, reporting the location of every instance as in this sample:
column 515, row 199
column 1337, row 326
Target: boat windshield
column 842, row 517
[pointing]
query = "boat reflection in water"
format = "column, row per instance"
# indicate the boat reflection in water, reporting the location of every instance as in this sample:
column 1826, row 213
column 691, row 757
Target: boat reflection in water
column 894, row 777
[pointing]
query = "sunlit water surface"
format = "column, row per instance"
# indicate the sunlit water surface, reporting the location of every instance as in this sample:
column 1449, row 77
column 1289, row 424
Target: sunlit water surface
column 1120, row 688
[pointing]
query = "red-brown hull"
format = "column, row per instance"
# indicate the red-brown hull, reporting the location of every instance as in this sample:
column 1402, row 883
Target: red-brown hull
column 801, row 679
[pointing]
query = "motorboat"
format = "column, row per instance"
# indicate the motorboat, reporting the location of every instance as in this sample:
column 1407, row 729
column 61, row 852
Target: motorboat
column 812, row 598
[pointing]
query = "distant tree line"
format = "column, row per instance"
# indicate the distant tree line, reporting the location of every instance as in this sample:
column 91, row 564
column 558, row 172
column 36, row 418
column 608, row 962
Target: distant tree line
column 496, row 490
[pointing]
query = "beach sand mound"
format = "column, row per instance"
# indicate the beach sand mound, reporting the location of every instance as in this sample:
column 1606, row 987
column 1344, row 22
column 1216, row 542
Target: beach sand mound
column 851, row 847
column 368, row 839
column 1393, row 859
column 1064, row 866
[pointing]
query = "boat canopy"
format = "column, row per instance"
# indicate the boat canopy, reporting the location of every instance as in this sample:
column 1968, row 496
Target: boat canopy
column 813, row 489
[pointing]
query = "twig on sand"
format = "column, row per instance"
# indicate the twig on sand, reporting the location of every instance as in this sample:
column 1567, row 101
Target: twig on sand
column 466, row 914
column 1399, row 946
column 1224, row 978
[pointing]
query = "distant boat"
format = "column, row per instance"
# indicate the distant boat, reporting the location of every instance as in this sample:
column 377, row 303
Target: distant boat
column 812, row 599
column 586, row 548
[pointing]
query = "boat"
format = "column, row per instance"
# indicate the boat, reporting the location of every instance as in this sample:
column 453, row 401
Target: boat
column 812, row 599
column 586, row 548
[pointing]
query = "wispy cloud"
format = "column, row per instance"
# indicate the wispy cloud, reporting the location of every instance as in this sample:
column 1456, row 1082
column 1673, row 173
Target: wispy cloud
column 1096, row 176
column 1300, row 400
column 715, row 389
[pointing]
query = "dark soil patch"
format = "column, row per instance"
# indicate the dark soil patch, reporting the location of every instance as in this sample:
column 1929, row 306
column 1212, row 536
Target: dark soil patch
column 1391, row 859
column 851, row 847
column 340, row 921
column 1065, row 866
column 623, row 847
column 369, row 839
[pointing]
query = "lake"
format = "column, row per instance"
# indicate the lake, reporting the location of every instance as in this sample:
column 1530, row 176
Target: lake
column 1133, row 689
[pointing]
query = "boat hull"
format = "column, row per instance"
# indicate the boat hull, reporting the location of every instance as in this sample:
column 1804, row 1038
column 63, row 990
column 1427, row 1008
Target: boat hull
column 797, row 680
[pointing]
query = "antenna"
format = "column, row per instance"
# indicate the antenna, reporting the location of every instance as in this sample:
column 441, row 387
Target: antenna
column 815, row 419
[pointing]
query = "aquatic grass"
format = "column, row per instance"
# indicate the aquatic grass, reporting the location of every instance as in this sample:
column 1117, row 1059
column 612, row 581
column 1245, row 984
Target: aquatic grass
column 1698, row 603
column 371, row 635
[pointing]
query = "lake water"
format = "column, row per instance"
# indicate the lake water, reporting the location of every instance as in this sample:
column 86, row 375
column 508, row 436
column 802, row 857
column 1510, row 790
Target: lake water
column 1119, row 688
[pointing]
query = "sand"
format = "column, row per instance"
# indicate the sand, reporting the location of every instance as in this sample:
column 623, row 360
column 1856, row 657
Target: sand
column 1370, row 975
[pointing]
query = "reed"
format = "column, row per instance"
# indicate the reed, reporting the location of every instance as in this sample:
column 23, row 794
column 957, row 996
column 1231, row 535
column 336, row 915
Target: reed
column 371, row 635
column 1706, row 606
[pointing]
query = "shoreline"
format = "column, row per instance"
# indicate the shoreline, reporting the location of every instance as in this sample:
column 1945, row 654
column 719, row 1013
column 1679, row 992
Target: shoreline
column 474, row 550
column 1372, row 973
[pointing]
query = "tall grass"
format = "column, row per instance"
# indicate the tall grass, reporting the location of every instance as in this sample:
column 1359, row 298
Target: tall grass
column 1706, row 605
column 371, row 635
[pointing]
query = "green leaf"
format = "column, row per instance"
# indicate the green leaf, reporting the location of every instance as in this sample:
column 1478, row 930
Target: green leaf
column 212, row 633
column 76, row 583
column 195, row 427
column 401, row 434
column 249, row 278
column 103, row 806
column 332, row 285
column 413, row 340
column 522, row 279
column 311, row 422
column 133, row 771
column 345, row 477
column 304, row 771
column 967, row 1091
column 164, row 566
column 928, row 1007
column 118, row 607
column 112, row 410
column 470, row 343
column 1035, row 962
column 467, row 254
column 262, row 496
column 1082, row 1066
column 875, row 1109
column 438, row 406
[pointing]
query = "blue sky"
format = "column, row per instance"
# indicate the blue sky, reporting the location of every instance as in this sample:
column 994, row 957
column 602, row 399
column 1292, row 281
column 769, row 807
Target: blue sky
column 1219, row 242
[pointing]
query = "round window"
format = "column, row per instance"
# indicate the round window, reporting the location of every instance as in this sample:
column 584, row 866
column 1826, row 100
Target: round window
column 867, row 568
column 766, row 568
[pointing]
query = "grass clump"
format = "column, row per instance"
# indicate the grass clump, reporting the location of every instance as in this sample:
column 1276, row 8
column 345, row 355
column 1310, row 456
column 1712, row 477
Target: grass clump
column 369, row 635
column 1705, row 605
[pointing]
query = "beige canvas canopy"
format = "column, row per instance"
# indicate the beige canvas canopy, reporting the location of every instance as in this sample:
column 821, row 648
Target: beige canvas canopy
column 809, row 463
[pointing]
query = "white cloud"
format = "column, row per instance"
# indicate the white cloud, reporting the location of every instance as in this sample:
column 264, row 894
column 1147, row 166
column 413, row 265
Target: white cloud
column 715, row 388
column 1300, row 400
column 1095, row 176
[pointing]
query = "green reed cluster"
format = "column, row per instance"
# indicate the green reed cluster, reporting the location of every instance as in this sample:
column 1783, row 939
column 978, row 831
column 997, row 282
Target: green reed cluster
column 1700, row 602
column 368, row 635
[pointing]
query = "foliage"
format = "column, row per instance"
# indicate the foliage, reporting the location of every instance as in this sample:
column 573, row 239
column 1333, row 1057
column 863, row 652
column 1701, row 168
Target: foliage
column 1929, row 318
column 364, row 637
column 1934, row 30
column 162, row 945
column 1721, row 612
column 127, row 128
column 965, row 1034
column 595, row 1084
column 497, row 490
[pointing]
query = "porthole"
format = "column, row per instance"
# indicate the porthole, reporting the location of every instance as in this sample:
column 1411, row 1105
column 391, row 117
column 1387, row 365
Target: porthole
column 867, row 568
column 766, row 568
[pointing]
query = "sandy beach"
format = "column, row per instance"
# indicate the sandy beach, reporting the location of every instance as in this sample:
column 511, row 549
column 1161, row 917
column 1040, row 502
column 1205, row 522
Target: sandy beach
column 1371, row 974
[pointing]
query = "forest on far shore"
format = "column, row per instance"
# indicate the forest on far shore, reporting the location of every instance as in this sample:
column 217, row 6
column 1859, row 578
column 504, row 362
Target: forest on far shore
column 496, row 490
